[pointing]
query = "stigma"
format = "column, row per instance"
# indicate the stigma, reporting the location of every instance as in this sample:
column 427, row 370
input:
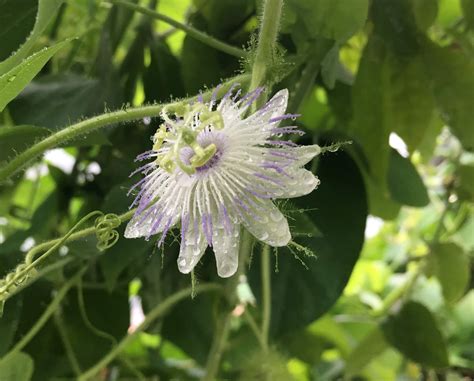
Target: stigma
column 181, row 134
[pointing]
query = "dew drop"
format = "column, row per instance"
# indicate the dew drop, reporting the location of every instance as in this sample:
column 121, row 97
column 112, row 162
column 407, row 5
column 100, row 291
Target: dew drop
column 293, row 118
column 12, row 78
column 333, row 148
column 196, row 250
column 182, row 262
column 276, row 216
column 264, row 236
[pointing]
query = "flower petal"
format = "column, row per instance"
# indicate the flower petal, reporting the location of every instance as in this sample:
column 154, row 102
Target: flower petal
column 193, row 245
column 274, row 108
column 226, row 250
column 302, row 183
column 270, row 227
column 148, row 222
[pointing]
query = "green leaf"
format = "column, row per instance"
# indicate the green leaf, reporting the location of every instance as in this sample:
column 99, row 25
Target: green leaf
column 9, row 322
column 18, row 367
column 373, row 120
column 162, row 77
column 415, row 333
column 450, row 72
column 371, row 346
column 56, row 101
column 14, row 139
column 464, row 237
column 468, row 10
column 116, row 259
column 465, row 182
column 404, row 182
column 16, row 21
column 194, row 335
column 46, row 11
column 395, row 23
column 225, row 17
column 213, row 65
column 338, row 209
column 381, row 203
column 413, row 103
column 334, row 19
column 451, row 266
column 425, row 12
column 14, row 81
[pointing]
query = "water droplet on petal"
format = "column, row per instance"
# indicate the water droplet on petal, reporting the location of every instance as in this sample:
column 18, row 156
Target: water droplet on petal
column 276, row 216
column 264, row 236
column 182, row 262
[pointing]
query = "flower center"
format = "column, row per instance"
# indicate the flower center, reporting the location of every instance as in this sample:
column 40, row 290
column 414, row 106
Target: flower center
column 185, row 134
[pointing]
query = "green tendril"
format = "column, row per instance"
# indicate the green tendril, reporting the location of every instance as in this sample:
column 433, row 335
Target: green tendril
column 107, row 236
column 105, row 231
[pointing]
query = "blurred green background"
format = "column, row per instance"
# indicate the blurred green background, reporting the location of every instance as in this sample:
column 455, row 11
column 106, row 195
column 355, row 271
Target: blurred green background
column 379, row 284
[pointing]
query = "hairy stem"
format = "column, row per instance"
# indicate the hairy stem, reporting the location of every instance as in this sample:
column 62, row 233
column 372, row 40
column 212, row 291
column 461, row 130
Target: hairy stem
column 266, row 294
column 255, row 329
column 267, row 38
column 100, row 121
column 154, row 314
column 190, row 31
column 217, row 349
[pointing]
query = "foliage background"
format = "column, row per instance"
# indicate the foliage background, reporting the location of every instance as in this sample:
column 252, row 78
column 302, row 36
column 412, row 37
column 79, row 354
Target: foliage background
column 388, row 300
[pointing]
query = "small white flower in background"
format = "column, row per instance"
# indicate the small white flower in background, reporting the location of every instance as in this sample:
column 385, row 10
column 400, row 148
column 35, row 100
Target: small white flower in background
column 215, row 169
column 137, row 316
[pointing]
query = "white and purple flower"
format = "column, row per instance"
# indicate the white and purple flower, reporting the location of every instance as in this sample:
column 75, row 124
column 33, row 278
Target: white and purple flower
column 213, row 170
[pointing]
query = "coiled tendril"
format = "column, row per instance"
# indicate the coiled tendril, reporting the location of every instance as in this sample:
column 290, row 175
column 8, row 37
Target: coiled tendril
column 106, row 234
column 105, row 231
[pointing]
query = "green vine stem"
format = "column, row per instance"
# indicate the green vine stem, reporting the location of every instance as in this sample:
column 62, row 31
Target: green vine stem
column 50, row 310
column 190, row 31
column 100, row 121
column 266, row 294
column 264, row 57
column 220, row 339
column 154, row 314
column 29, row 268
column 71, row 356
column 267, row 38
column 217, row 348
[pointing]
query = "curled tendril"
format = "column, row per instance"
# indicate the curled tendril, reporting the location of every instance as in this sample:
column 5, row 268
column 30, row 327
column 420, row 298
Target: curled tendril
column 105, row 231
column 14, row 279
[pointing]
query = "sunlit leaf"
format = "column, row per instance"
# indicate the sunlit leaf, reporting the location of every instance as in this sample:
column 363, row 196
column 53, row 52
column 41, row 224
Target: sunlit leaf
column 15, row 80
column 46, row 11
column 415, row 333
